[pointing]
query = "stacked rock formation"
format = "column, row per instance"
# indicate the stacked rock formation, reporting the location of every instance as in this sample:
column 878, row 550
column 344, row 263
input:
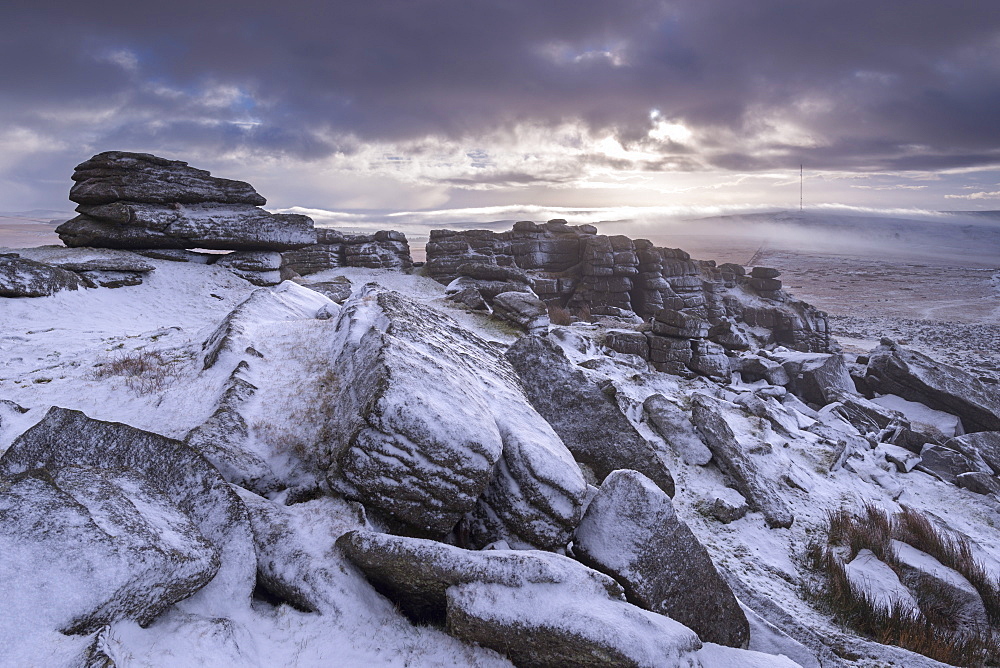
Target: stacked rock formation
column 140, row 201
column 574, row 267
column 386, row 249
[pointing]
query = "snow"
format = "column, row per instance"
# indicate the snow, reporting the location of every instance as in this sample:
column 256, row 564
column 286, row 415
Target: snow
column 873, row 577
column 917, row 413
column 48, row 351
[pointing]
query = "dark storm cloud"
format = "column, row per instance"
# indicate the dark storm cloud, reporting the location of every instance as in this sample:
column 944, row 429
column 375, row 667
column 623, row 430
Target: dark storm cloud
column 908, row 84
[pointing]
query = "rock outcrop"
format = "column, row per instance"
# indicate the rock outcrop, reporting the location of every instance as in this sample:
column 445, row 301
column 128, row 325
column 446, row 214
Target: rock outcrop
column 140, row 201
column 507, row 600
column 430, row 424
column 386, row 249
column 576, row 268
column 893, row 369
column 588, row 421
column 631, row 532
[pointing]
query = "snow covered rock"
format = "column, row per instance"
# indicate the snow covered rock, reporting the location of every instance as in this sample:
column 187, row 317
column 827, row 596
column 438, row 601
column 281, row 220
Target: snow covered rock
column 67, row 438
column 903, row 459
column 538, row 608
column 338, row 289
column 586, row 419
column 735, row 442
column 83, row 547
column 725, row 504
column 978, row 482
column 873, row 577
column 679, row 324
column 952, row 594
column 430, row 423
column 21, row 277
column 674, row 425
column 257, row 267
column 522, row 309
column 936, row 425
column 983, row 446
column 893, row 369
column 815, row 377
column 294, row 545
column 631, row 532
column 234, row 334
column 222, row 438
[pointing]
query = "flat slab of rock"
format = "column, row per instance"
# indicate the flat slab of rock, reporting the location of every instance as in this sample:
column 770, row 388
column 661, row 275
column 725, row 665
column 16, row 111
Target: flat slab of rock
column 522, row 309
column 730, row 434
column 631, row 532
column 536, row 607
column 67, row 438
column 586, row 419
column 209, row 225
column 816, row 377
column 141, row 177
column 430, row 423
column 944, row 463
column 893, row 369
column 21, row 277
column 674, row 425
column 84, row 547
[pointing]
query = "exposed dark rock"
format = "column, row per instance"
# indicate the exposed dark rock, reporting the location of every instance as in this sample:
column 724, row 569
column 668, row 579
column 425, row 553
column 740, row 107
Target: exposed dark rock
column 337, row 289
column 631, row 532
column 140, row 177
column 816, row 378
column 755, row 367
column 674, row 425
column 92, row 546
column 983, row 446
column 631, row 343
column 111, row 279
column 586, row 419
column 764, row 272
column 386, row 249
column 430, row 423
column 21, row 277
column 732, row 436
column 893, row 369
column 214, row 226
column 944, row 463
column 978, row 482
column 709, row 359
column 669, row 322
column 726, row 505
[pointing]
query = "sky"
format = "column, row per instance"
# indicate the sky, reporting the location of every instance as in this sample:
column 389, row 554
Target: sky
column 497, row 109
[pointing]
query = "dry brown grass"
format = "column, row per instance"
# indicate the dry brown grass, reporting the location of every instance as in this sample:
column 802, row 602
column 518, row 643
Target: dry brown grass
column 932, row 632
column 143, row 371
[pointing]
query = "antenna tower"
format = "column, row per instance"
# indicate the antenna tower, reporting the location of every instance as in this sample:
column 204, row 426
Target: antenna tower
column 800, row 186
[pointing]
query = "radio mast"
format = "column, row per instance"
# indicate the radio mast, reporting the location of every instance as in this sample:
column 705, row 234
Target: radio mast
column 800, row 186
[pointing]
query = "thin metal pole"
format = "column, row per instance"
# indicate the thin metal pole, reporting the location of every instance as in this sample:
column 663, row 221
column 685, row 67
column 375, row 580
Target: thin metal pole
column 800, row 186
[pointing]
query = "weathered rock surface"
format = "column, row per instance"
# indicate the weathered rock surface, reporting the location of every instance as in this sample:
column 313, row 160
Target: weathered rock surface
column 523, row 310
column 574, row 267
column 294, row 546
column 140, row 177
column 137, row 200
column 631, row 532
column 893, row 369
column 725, row 504
column 879, row 583
column 338, row 289
column 430, row 423
column 674, row 425
column 21, row 277
column 91, row 546
column 586, row 419
column 983, row 447
column 944, row 463
column 66, row 438
column 815, row 378
column 537, row 608
column 386, row 249
column 732, row 436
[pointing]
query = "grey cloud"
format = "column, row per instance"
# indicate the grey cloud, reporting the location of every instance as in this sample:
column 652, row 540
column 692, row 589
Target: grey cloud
column 884, row 75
